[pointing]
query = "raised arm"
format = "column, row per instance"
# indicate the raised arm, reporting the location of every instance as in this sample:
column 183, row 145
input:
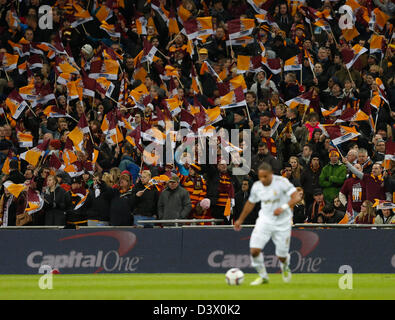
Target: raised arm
column 354, row 170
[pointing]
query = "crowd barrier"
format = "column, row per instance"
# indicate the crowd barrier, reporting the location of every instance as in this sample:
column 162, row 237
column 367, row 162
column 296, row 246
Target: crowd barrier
column 191, row 249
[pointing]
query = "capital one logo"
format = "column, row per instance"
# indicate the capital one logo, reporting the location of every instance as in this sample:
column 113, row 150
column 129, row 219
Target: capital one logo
column 109, row 261
column 347, row 18
column 299, row 258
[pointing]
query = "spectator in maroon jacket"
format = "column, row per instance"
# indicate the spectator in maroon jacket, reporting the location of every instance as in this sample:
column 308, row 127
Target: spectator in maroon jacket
column 374, row 181
column 353, row 193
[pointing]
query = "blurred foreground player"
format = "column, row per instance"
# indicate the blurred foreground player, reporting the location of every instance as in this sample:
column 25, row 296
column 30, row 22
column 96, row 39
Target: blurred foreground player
column 277, row 196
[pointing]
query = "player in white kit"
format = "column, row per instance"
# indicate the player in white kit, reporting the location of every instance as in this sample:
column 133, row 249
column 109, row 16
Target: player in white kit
column 277, row 196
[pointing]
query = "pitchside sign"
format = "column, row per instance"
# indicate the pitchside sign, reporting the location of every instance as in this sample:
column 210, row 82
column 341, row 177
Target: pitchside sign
column 188, row 250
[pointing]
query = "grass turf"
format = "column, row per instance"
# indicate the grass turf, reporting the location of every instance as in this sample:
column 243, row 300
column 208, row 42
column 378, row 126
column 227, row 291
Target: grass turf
column 195, row 287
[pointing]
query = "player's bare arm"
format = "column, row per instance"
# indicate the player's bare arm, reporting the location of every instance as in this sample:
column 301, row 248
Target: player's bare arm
column 248, row 207
column 295, row 198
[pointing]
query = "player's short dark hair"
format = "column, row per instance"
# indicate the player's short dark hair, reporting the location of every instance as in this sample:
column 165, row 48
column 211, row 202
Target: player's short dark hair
column 13, row 165
column 265, row 167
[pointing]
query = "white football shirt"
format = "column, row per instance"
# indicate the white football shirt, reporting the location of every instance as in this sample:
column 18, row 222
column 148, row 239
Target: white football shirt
column 272, row 197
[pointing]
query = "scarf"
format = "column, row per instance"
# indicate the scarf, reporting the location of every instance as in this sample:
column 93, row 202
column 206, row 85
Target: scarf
column 310, row 128
column 378, row 179
column 313, row 169
column 320, row 207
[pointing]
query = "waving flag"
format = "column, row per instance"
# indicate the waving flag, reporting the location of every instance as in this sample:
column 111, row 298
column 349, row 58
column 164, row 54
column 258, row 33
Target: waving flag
column 389, row 154
column 112, row 30
column 380, row 18
column 233, row 99
column 33, row 155
column 34, row 201
column 293, row 64
column 339, row 134
column 202, row 26
column 350, row 56
column 160, row 9
column 149, row 52
column 247, row 63
column 351, row 114
column 55, row 163
column 274, row 65
column 8, row 61
column 238, row 28
column 172, row 24
column 25, row 140
column 260, row 6
column 15, row 104
column 186, row 119
column 14, row 188
column 81, row 15
column 104, row 86
column 106, row 69
column 377, row 44
column 104, row 13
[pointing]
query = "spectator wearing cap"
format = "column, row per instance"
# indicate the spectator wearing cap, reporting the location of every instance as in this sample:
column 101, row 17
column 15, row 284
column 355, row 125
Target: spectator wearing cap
column 309, row 178
column 241, row 198
column 263, row 155
column 122, row 202
column 288, row 145
column 385, row 216
column 56, row 203
column 76, row 213
column 195, row 184
column 265, row 137
column 263, row 87
column 145, row 198
column 174, row 201
column 332, row 176
column 315, row 209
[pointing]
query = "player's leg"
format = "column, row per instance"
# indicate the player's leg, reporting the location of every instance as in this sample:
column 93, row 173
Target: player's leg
column 282, row 241
column 258, row 240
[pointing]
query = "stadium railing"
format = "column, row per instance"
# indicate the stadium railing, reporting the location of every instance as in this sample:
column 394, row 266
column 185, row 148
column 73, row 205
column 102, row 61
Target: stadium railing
column 196, row 223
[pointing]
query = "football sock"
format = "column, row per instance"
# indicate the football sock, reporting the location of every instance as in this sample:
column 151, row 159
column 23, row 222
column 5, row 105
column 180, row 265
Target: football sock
column 259, row 265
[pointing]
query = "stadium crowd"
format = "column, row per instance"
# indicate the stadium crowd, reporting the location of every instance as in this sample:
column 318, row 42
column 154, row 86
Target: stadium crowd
column 82, row 99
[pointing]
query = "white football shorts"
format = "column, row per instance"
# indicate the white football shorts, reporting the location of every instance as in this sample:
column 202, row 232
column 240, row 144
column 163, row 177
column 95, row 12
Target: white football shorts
column 263, row 232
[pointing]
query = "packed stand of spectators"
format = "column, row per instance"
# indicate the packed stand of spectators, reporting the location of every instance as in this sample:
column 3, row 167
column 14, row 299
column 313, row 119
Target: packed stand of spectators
column 83, row 98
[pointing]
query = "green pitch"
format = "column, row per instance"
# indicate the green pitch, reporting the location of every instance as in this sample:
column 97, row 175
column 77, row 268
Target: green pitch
column 195, row 287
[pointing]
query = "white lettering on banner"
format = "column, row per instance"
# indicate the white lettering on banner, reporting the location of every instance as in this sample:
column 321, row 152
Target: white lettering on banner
column 218, row 259
column 110, row 261
column 45, row 281
column 345, row 282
